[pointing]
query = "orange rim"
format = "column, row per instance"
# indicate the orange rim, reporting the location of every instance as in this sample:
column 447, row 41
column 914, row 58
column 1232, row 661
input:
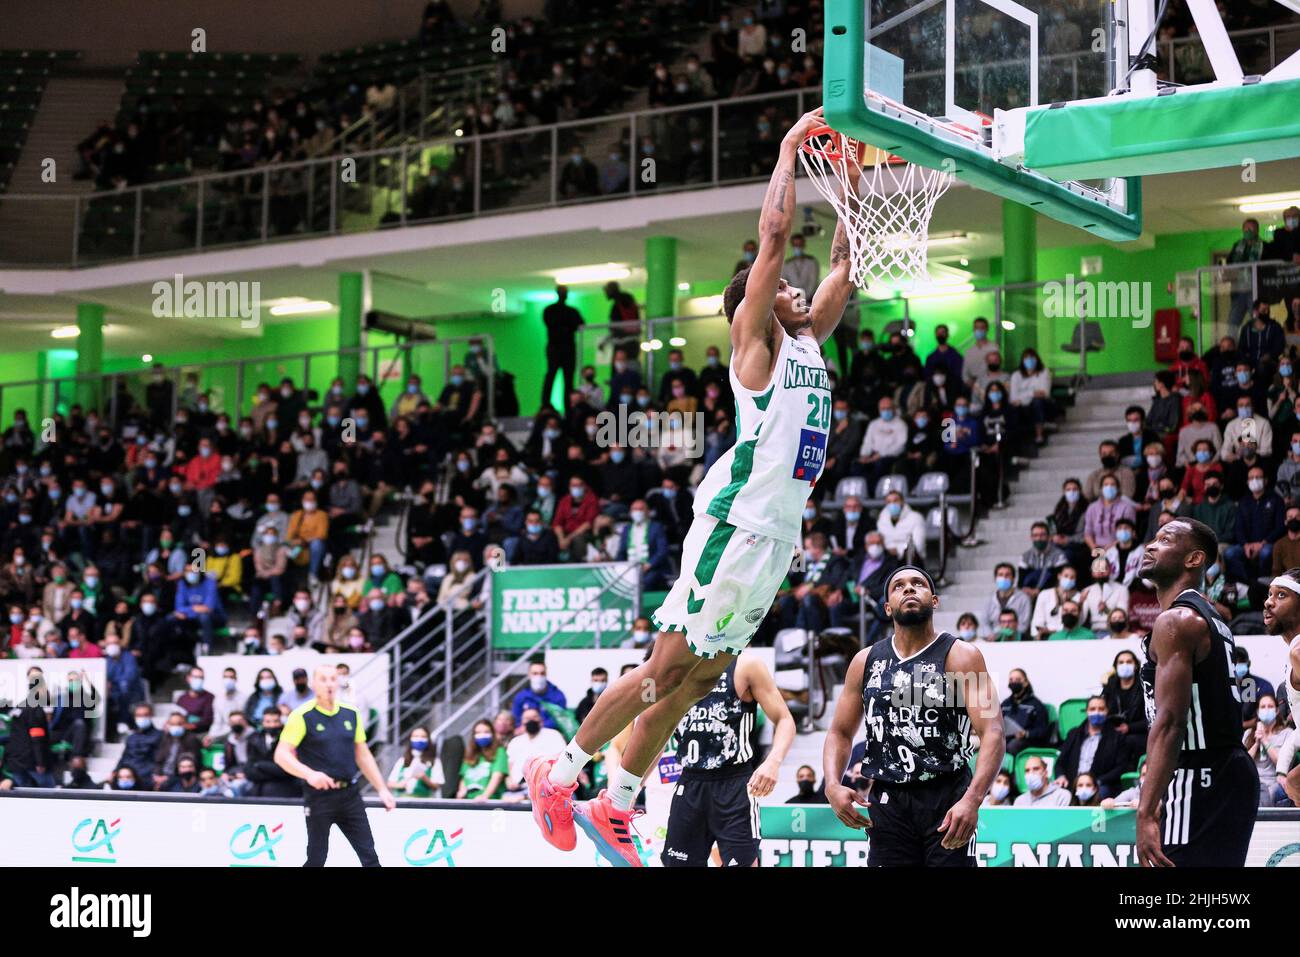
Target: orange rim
column 833, row 150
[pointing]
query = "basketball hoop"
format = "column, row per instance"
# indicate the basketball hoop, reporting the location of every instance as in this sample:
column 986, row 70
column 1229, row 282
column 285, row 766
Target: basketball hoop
column 886, row 212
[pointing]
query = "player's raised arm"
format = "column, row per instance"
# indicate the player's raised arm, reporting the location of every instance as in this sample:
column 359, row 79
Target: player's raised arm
column 753, row 319
column 833, row 293
column 839, row 745
column 1173, row 645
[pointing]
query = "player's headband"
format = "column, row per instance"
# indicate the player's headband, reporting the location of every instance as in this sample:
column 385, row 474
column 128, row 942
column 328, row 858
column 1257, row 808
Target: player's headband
column 928, row 580
column 1281, row 581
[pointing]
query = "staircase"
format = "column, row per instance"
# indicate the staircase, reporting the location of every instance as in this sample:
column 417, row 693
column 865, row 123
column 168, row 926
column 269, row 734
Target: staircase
column 71, row 108
column 1070, row 453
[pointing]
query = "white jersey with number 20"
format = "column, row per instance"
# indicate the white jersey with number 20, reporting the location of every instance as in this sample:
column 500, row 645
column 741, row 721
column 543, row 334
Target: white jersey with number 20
column 762, row 483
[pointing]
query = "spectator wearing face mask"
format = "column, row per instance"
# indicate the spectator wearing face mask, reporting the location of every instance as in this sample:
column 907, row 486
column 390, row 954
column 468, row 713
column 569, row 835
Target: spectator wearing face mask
column 1025, row 718
column 1111, row 464
column 599, row 682
column 1265, row 744
column 1071, row 629
column 186, row 778
column 417, row 773
column 975, row 358
column 1094, row 747
column 1005, row 597
column 872, row 572
column 307, row 536
column 644, row 541
column 1031, row 391
column 1200, row 427
column 885, row 440
column 198, row 702
column 1162, row 495
column 1262, row 338
column 902, row 528
column 1126, row 703
column 484, row 768
column 1250, row 687
column 641, row 637
column 1041, row 562
column 199, row 606
column 1125, row 555
column 298, row 694
column 801, row 269
column 816, row 596
column 176, row 742
column 539, row 691
column 456, row 584
column 1166, row 413
column 1102, row 517
column 1066, row 522
column 537, row 545
column 1260, row 522
column 1102, row 597
column 1086, row 792
column 1002, row 793
column 1246, row 426
column 1040, row 790
column 808, row 793
column 849, row 529
column 535, row 741
column 1049, row 606
column 267, row 778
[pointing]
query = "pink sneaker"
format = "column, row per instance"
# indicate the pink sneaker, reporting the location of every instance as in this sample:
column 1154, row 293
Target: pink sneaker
column 610, row 829
column 552, row 805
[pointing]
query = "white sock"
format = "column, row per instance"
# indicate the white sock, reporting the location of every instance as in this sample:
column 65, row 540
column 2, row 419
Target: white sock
column 567, row 767
column 624, row 786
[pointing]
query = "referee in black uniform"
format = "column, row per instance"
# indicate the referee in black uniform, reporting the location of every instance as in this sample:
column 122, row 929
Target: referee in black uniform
column 324, row 744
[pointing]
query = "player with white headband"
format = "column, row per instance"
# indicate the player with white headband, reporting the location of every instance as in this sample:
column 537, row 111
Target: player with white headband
column 1282, row 617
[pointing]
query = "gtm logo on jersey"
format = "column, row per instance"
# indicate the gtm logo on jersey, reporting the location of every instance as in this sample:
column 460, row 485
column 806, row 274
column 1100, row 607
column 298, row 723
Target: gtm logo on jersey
column 439, row 847
column 262, row 841
column 88, row 840
column 811, row 455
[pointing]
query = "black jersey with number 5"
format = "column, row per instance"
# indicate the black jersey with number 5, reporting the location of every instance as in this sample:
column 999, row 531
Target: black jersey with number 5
column 1214, row 712
column 917, row 725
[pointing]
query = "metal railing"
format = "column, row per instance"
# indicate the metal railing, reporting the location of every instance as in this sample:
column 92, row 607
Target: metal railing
column 501, row 687
column 233, row 382
column 515, row 169
column 431, row 659
column 1222, row 297
column 367, row 190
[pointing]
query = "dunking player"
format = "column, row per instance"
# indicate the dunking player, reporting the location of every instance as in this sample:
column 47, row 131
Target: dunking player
column 1282, row 617
column 716, row 798
column 921, row 694
column 748, row 511
column 1196, row 762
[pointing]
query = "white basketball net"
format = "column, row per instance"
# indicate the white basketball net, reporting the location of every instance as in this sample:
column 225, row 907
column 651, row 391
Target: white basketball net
column 887, row 217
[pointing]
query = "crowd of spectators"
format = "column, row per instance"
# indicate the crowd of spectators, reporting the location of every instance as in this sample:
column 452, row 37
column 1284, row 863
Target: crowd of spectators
column 177, row 528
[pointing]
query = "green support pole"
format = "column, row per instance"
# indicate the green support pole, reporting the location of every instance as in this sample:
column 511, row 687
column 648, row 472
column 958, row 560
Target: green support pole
column 351, row 286
column 1019, row 264
column 90, row 354
column 660, row 287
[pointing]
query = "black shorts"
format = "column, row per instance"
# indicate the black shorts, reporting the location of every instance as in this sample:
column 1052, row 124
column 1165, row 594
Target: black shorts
column 1209, row 810
column 708, row 810
column 905, row 821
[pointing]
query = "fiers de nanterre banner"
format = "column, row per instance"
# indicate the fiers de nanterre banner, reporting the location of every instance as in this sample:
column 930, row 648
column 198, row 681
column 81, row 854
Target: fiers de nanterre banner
column 590, row 605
